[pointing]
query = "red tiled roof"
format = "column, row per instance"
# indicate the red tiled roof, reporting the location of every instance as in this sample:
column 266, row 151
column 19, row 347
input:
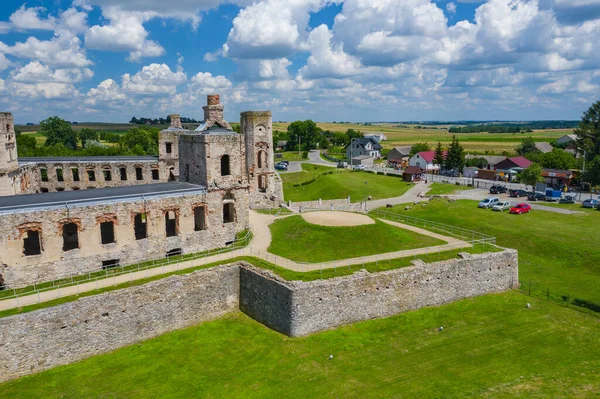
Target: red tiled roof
column 429, row 155
column 413, row 170
column 521, row 162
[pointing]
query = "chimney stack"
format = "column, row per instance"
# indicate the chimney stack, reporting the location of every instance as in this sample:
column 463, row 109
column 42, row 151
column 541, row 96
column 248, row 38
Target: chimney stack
column 176, row 121
column 213, row 111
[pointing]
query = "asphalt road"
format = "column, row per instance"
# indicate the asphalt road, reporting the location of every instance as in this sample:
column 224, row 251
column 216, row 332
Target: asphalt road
column 314, row 156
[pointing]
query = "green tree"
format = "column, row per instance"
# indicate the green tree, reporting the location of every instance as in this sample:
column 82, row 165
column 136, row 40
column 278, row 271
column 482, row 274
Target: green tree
column 419, row 147
column 145, row 137
column 87, row 134
column 26, row 144
column 438, row 156
column 592, row 172
column 307, row 132
column 588, row 132
column 531, row 175
column 558, row 159
column 527, row 146
column 58, row 131
column 455, row 159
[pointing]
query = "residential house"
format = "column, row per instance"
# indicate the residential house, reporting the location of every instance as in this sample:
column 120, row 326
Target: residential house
column 543, row 147
column 491, row 160
column 509, row 168
column 398, row 156
column 556, row 177
column 566, row 139
column 425, row 160
column 363, row 146
column 378, row 136
column 281, row 144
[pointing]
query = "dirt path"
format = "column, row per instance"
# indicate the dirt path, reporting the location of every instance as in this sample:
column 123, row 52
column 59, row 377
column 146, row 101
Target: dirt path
column 334, row 218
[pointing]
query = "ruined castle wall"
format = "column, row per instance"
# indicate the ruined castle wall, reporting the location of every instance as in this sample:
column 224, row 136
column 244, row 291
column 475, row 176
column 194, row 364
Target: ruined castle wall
column 324, row 304
column 77, row 176
column 64, row 334
column 18, row 269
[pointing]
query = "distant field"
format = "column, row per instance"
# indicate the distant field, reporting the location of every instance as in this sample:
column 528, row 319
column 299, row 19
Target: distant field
column 475, row 142
column 491, row 347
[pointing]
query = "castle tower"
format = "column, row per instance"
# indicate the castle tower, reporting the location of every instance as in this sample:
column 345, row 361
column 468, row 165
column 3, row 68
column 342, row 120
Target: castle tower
column 213, row 114
column 168, row 149
column 9, row 164
column 265, row 185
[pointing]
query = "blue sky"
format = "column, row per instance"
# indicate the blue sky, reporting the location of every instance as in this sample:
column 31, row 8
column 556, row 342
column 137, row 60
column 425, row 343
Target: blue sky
column 352, row 60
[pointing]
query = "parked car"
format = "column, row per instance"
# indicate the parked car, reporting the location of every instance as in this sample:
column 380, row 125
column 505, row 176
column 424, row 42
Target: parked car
column 590, row 203
column 498, row 190
column 520, row 208
column 517, row 193
column 358, row 167
column 342, row 165
column 450, row 173
column 567, row 199
column 281, row 166
column 287, row 163
column 536, row 197
column 488, row 202
column 501, row 206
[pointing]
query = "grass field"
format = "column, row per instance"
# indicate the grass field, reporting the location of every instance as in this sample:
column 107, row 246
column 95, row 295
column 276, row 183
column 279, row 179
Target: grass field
column 332, row 183
column 445, row 189
column 491, row 347
column 558, row 252
column 289, row 156
column 296, row 239
column 399, row 135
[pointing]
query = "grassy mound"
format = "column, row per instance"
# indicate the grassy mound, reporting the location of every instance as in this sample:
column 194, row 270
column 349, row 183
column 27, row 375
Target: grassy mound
column 490, row 347
column 323, row 182
column 295, row 239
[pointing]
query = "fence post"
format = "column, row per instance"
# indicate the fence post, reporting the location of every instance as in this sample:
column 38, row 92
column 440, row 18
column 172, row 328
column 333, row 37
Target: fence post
column 530, row 288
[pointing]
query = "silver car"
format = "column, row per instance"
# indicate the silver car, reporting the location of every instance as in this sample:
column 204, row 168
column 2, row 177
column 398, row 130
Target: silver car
column 590, row 203
column 488, row 202
column 502, row 206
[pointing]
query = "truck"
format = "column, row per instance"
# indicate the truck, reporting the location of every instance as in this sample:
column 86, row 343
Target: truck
column 553, row 195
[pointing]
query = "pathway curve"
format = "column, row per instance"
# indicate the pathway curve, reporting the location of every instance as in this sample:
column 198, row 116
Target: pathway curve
column 412, row 195
column 258, row 247
column 314, row 156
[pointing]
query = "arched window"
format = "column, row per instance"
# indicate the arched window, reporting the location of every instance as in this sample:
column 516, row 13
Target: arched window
column 228, row 212
column 262, row 159
column 225, row 167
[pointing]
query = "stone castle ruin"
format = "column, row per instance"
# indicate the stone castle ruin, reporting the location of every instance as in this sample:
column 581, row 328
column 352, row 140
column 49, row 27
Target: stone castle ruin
column 65, row 216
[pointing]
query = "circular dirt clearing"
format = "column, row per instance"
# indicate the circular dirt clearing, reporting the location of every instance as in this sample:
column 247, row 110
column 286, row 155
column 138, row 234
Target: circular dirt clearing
column 332, row 218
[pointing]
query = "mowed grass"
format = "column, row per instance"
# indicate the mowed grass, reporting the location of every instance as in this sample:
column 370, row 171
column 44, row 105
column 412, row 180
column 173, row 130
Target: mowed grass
column 445, row 189
column 288, row 156
column 491, row 347
column 331, row 183
column 556, row 252
column 295, row 239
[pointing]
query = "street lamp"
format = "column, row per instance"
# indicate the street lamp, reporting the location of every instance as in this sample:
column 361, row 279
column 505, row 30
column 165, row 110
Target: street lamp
column 366, row 185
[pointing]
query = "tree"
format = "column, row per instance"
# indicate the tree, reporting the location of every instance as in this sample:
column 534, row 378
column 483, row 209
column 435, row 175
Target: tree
column 592, row 173
column 531, row 175
column 87, row 134
column 558, row 159
column 144, row 137
column 307, row 132
column 26, row 144
column 438, row 156
column 419, row 147
column 527, row 146
column 455, row 159
column 57, row 131
column 588, row 132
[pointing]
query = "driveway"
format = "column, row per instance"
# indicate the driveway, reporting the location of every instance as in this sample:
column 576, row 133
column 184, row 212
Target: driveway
column 314, row 156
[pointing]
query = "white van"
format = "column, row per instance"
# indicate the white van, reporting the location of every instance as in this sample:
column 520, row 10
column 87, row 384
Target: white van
column 488, row 202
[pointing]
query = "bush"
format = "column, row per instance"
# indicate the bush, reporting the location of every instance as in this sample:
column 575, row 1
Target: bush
column 582, row 303
column 305, row 155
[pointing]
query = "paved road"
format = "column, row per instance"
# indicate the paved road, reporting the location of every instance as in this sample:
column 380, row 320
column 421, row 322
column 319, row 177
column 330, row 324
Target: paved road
column 294, row 166
column 314, row 156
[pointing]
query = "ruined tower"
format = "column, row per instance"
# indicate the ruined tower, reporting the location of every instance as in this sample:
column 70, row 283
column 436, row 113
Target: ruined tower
column 9, row 164
column 265, row 185
column 168, row 147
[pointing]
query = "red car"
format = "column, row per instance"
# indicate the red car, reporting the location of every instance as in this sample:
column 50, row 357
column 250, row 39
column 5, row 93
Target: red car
column 520, row 208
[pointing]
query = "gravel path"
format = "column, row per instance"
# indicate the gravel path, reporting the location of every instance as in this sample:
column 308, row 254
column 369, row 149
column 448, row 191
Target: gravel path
column 334, row 218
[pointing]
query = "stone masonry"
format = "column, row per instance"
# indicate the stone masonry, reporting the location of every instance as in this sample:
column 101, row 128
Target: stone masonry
column 45, row 338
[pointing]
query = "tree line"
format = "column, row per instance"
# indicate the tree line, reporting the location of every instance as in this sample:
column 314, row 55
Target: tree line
column 160, row 121
column 306, row 136
column 62, row 140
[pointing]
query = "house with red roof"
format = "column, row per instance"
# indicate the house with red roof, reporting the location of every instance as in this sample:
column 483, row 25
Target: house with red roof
column 424, row 160
column 516, row 163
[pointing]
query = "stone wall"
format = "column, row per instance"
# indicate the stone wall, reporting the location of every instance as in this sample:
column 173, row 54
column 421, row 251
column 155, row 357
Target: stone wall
column 46, row 338
column 324, row 304
column 19, row 269
column 328, row 205
column 67, row 333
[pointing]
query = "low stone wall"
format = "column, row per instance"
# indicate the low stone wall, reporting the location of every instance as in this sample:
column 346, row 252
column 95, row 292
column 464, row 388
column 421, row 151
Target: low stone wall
column 64, row 334
column 324, row 304
column 328, row 205
column 46, row 338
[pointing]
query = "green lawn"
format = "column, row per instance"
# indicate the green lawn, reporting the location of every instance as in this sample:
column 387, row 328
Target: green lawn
column 558, row 252
column 445, row 189
column 491, row 347
column 289, row 156
column 324, row 182
column 296, row 239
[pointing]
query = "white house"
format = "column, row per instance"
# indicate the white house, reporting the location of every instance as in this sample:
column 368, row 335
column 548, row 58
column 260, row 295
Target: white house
column 424, row 160
column 363, row 146
column 378, row 136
